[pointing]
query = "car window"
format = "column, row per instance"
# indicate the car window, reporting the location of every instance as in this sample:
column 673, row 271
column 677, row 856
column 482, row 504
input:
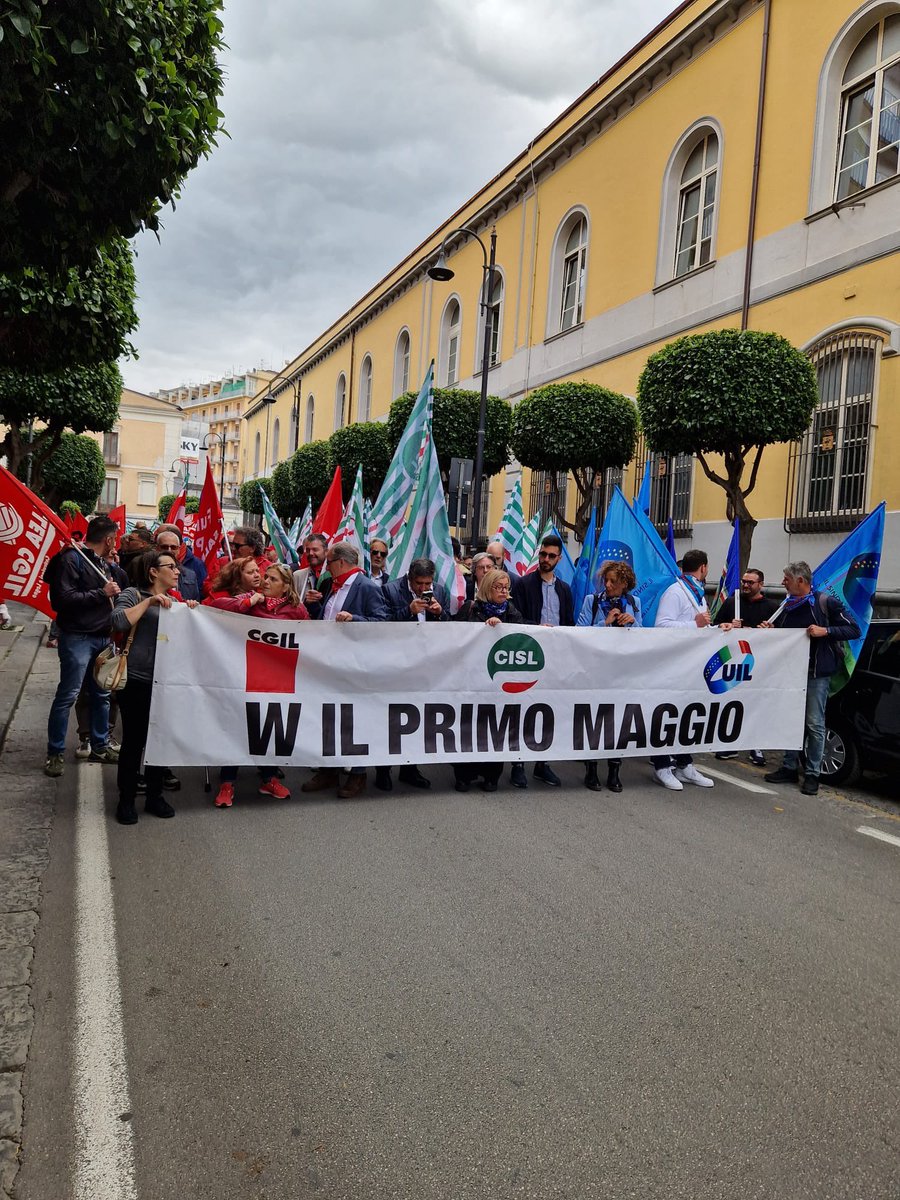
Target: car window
column 885, row 659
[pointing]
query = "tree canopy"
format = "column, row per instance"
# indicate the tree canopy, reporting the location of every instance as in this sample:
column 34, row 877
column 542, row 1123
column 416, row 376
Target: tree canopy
column 367, row 443
column 249, row 497
column 311, row 473
column 105, row 109
column 574, row 427
column 455, row 426
column 731, row 393
column 74, row 471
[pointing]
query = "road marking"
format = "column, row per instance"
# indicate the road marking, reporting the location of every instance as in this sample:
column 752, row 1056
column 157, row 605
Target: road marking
column 104, row 1143
column 876, row 833
column 741, row 783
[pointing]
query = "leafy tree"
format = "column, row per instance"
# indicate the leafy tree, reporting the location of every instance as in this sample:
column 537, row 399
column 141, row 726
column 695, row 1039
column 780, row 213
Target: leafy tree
column 367, row 443
column 69, row 508
column 311, row 473
column 730, row 393
column 249, row 497
column 105, row 109
column 455, row 427
column 70, row 317
column 576, row 427
column 74, row 399
column 75, row 470
column 164, row 504
column 281, row 492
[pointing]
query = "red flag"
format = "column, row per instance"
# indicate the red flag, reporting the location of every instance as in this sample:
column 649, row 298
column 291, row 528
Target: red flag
column 208, row 525
column 328, row 517
column 79, row 524
column 118, row 515
column 178, row 511
column 30, row 534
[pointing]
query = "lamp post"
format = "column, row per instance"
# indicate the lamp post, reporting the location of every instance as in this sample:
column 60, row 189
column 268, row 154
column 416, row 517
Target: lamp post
column 174, row 466
column 268, row 400
column 442, row 273
column 205, row 446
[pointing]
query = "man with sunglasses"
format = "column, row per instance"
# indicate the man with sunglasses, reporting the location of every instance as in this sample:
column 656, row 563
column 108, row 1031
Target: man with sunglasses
column 378, row 553
column 755, row 608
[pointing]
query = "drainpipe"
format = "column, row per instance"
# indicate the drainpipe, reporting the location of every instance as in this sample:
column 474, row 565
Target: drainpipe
column 757, row 153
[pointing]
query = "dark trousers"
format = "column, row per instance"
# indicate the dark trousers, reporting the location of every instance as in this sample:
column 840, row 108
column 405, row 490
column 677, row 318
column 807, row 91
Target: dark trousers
column 134, row 707
column 469, row 772
column 667, row 760
column 230, row 774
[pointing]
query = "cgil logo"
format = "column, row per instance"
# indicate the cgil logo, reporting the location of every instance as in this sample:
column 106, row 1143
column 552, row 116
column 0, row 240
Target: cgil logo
column 517, row 659
column 723, row 672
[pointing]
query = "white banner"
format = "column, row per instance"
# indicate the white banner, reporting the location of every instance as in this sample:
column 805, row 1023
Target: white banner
column 231, row 690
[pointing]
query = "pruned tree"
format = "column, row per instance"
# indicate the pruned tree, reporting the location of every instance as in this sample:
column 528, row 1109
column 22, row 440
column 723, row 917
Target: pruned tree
column 455, row 427
column 249, row 497
column 105, row 109
column 311, row 473
column 729, row 393
column 367, row 443
column 280, row 491
column 574, row 427
column 164, row 504
column 74, row 472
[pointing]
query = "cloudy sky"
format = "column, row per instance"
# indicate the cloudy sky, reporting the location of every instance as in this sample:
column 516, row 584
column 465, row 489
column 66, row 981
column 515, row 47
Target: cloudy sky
column 356, row 127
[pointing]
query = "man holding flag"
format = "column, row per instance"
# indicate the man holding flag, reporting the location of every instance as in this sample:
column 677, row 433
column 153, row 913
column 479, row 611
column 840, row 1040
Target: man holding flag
column 755, row 607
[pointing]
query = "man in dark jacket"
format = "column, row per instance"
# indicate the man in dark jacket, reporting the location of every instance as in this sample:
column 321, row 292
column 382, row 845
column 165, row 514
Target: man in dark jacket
column 756, row 607
column 83, row 604
column 827, row 624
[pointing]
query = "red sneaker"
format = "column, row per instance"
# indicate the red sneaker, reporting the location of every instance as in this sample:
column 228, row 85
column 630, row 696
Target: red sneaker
column 273, row 788
column 225, row 795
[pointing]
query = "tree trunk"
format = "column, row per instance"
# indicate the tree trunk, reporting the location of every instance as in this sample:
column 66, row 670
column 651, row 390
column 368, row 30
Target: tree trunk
column 736, row 494
column 585, row 482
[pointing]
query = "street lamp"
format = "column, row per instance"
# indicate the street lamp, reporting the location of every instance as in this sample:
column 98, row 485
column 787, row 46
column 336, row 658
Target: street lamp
column 174, row 466
column 442, row 273
column 204, row 446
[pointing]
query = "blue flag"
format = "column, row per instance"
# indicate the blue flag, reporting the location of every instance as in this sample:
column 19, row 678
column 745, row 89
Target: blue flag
column 730, row 579
column 850, row 575
column 643, row 497
column 670, row 538
column 287, row 553
column 565, row 568
column 583, row 580
column 628, row 536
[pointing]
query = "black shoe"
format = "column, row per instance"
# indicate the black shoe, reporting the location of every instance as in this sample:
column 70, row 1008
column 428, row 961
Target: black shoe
column 461, row 785
column 591, row 779
column 141, row 787
column 547, row 775
column 723, row 754
column 613, row 782
column 488, row 785
column 158, row 807
column 126, row 813
column 517, row 776
column 171, row 782
column 782, row 775
column 413, row 776
column 383, row 779
column 757, row 758
column 279, row 774
column 810, row 785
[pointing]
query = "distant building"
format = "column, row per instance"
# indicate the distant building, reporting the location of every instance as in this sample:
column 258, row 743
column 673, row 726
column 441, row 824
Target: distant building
column 139, row 454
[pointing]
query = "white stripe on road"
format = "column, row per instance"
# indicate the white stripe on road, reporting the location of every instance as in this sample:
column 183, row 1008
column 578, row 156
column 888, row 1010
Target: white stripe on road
column 877, row 833
column 741, row 783
column 104, row 1146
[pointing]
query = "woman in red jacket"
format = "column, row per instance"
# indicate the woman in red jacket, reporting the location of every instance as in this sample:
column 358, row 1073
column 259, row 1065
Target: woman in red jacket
column 237, row 587
column 282, row 602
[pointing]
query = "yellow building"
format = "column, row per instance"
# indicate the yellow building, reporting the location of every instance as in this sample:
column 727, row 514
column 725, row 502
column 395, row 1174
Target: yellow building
column 768, row 124
column 139, row 453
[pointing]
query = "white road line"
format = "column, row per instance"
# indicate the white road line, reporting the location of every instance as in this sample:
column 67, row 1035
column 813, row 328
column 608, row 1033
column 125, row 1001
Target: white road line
column 104, row 1145
column 876, row 833
column 741, row 783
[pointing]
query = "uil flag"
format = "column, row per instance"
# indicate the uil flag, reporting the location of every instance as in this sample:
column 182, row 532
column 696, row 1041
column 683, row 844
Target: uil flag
column 329, row 513
column 512, row 524
column 208, row 526
column 565, row 568
column 730, row 580
column 287, row 553
column 30, row 534
column 670, row 538
column 643, row 497
column 426, row 532
column 628, row 536
column 396, row 491
column 583, row 580
column 178, row 511
column 118, row 515
column 850, row 575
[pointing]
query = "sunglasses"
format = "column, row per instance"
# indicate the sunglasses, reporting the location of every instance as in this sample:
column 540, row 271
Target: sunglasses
column 378, row 553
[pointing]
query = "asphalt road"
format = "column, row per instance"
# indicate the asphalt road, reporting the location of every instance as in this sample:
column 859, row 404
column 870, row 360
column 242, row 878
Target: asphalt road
column 538, row 994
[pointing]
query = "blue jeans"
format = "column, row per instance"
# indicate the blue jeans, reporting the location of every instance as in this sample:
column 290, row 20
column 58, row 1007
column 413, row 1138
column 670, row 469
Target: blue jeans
column 816, row 696
column 77, row 652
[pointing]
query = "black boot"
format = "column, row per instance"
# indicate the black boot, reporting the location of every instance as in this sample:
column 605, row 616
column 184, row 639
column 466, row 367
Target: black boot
column 590, row 777
column 612, row 777
column 126, row 813
column 383, row 779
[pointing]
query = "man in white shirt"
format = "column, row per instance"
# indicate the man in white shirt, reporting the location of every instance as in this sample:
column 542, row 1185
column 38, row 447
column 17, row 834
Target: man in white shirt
column 683, row 605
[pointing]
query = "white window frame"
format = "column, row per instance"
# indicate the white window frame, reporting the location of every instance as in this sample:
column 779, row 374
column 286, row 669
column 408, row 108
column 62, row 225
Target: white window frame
column 366, row 378
column 150, row 482
column 340, row 400
column 555, row 292
column 276, row 439
column 670, row 196
column 703, row 184
column 257, row 451
column 874, row 78
column 451, row 339
column 402, row 354
column 497, row 307
column 310, row 420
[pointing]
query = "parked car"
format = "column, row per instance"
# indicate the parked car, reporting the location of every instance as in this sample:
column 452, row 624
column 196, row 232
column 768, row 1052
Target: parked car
column 862, row 722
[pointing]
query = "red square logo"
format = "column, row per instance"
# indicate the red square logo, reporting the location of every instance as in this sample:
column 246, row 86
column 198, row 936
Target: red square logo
column 271, row 668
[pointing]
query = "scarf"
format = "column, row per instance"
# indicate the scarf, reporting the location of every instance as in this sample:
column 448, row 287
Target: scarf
column 796, row 601
column 696, row 588
column 495, row 610
column 607, row 603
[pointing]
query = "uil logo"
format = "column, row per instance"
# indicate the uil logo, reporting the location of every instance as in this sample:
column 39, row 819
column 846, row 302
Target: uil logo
column 515, row 662
column 11, row 524
column 723, row 672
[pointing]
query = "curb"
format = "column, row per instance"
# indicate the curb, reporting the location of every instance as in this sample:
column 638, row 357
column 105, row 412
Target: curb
column 15, row 669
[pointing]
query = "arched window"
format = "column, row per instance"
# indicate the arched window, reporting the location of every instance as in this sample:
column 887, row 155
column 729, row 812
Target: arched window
column 495, row 333
column 451, row 323
column 869, row 151
column 571, row 309
column 310, row 418
column 276, row 438
column 293, row 430
column 257, row 448
column 365, row 388
column 401, row 364
column 340, row 400
column 697, row 206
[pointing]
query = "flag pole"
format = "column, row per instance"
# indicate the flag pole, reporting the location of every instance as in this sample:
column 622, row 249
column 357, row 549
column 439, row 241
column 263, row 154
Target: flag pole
column 80, row 550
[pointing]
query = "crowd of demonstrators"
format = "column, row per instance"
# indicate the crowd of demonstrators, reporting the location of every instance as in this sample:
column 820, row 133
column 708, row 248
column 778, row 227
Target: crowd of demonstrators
column 827, row 625
column 192, row 572
column 612, row 606
column 756, row 607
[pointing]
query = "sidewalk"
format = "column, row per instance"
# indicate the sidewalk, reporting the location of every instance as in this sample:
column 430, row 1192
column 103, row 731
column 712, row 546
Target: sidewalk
column 28, row 677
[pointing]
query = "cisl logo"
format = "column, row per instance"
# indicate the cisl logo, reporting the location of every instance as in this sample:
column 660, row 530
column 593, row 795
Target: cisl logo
column 517, row 660
column 722, row 672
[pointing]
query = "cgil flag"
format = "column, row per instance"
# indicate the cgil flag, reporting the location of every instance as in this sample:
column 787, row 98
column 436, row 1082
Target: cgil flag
column 329, row 513
column 512, row 523
column 207, row 531
column 76, row 523
column 629, row 536
column 393, row 500
column 30, row 534
column 287, row 553
column 178, row 510
column 119, row 516
column 850, row 575
column 730, row 579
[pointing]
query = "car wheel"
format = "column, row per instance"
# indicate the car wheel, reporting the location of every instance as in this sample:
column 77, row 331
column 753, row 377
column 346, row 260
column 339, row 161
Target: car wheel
column 841, row 761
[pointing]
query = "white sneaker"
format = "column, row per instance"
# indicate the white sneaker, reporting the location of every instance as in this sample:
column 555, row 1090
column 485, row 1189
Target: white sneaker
column 690, row 774
column 84, row 749
column 666, row 776
column 112, row 744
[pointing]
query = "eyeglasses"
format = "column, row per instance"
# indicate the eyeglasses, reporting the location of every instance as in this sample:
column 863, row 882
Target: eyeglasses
column 499, row 587
column 748, row 581
column 171, row 565
column 548, row 554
